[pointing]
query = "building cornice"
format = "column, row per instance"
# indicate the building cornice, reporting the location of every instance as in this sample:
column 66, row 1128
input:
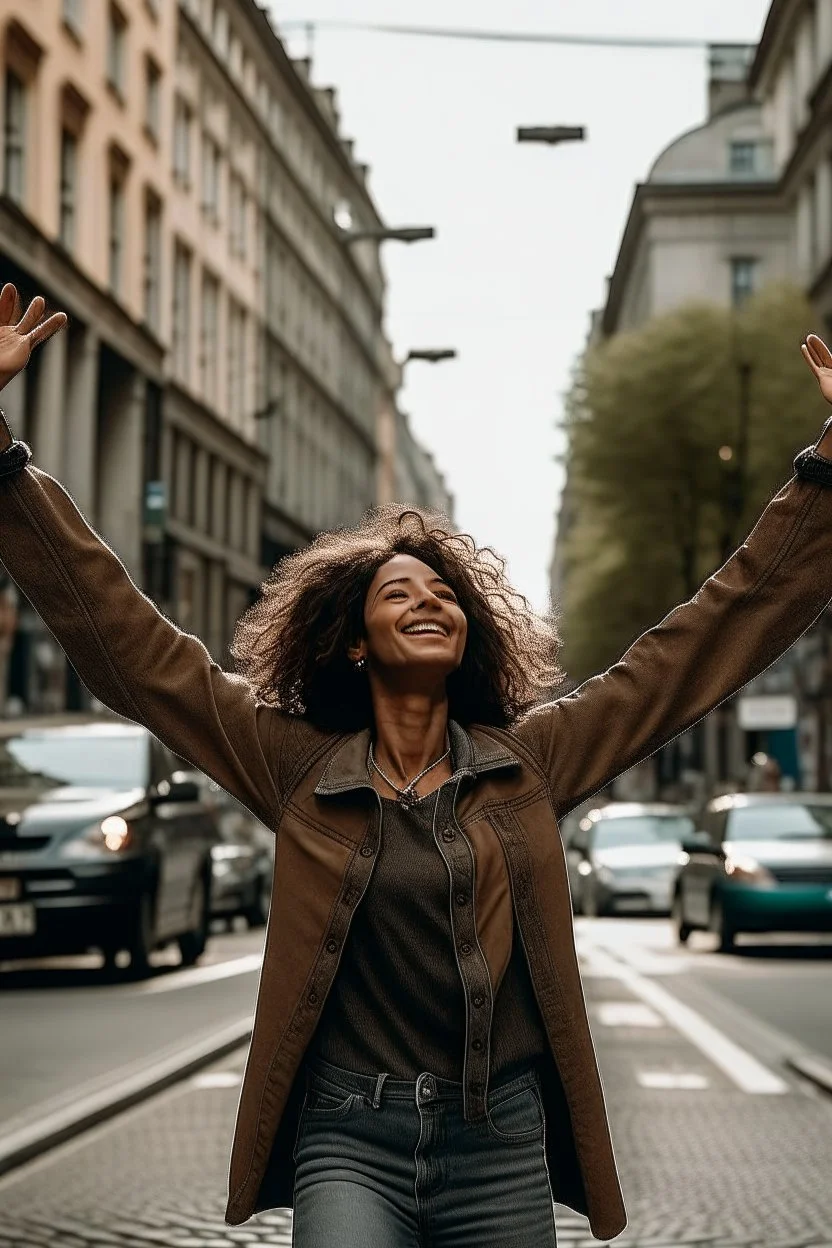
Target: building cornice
column 651, row 198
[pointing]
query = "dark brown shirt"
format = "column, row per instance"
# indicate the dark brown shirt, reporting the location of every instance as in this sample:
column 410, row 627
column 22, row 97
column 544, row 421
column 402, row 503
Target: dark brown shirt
column 398, row 1000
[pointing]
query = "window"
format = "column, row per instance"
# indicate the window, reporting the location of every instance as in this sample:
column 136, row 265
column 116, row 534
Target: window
column 743, row 279
column 742, row 157
column 236, row 363
column 152, row 260
column 209, row 338
column 211, row 157
column 116, row 232
column 181, row 328
column 73, row 15
column 14, row 138
column 153, row 97
column 237, row 211
column 68, row 189
column 182, row 127
column 116, row 50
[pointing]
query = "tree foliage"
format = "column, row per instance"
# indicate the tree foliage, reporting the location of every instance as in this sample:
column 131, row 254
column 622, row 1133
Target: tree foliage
column 651, row 507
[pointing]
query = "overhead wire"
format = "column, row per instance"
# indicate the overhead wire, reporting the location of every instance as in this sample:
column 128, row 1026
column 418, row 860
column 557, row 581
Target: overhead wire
column 501, row 36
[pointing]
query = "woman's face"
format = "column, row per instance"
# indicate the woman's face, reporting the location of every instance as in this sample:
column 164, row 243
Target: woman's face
column 412, row 620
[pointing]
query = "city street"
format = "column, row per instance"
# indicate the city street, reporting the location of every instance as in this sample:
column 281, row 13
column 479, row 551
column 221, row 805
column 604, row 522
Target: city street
column 718, row 1140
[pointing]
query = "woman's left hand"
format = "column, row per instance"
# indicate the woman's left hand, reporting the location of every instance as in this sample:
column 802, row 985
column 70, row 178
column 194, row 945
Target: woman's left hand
column 19, row 335
column 819, row 358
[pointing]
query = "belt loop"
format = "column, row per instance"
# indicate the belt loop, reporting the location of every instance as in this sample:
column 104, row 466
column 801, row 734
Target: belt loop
column 377, row 1093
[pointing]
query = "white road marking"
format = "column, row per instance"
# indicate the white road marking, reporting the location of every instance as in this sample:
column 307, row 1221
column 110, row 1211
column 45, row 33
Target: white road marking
column 200, row 974
column 744, row 1070
column 627, row 1014
column 216, row 1079
column 688, row 1081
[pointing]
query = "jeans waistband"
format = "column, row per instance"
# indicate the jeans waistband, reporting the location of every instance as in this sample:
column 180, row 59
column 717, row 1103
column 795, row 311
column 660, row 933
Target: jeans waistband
column 383, row 1086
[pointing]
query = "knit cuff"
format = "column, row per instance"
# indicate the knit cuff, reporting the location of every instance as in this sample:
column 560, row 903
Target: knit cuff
column 17, row 456
column 813, row 467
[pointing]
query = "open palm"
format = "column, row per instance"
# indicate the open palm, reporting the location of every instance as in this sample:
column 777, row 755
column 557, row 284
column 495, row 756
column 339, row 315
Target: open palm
column 819, row 358
column 19, row 335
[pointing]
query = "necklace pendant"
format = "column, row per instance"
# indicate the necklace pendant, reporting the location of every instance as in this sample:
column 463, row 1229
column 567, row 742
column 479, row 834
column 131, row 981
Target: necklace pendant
column 407, row 800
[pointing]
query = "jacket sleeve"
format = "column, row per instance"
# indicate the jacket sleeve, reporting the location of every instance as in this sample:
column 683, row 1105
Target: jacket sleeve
column 130, row 656
column 742, row 619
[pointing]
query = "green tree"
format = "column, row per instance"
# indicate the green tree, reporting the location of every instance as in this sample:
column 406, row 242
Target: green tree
column 678, row 434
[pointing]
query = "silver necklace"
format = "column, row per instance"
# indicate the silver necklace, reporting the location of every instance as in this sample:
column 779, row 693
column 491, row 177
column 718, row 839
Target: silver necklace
column 408, row 797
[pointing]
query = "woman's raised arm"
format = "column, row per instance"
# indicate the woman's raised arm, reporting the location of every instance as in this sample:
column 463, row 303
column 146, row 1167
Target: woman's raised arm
column 742, row 619
column 127, row 653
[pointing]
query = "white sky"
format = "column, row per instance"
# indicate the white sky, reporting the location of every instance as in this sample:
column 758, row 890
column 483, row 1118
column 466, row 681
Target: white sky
column 526, row 233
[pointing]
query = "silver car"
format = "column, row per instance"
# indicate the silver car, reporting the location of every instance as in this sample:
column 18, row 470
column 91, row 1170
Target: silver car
column 624, row 857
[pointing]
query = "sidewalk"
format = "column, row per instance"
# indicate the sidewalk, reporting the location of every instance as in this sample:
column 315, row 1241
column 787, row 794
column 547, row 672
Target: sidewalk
column 702, row 1164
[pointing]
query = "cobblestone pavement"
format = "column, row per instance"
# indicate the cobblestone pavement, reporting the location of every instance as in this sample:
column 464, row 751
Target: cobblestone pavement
column 710, row 1167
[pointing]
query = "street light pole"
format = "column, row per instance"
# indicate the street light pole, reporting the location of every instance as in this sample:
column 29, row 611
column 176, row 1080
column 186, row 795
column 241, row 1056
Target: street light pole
column 349, row 233
column 431, row 355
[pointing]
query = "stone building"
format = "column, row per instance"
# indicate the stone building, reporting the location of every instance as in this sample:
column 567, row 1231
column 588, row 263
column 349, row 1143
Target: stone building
column 170, row 177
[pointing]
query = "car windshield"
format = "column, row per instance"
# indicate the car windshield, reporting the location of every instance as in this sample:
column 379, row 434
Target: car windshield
column 642, row 830
column 786, row 822
column 51, row 759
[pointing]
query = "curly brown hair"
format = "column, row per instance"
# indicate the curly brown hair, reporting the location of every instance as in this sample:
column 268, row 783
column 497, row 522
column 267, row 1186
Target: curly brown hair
column 291, row 643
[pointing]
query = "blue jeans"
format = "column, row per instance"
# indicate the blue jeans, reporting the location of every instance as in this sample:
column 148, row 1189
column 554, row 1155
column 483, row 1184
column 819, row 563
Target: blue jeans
column 391, row 1163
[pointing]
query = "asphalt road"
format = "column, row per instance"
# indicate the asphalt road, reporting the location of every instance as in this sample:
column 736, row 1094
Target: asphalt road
column 68, row 1030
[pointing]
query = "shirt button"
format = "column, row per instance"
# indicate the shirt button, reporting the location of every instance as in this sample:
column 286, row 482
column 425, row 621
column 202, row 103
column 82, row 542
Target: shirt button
column 367, row 851
column 461, row 899
column 448, row 834
column 465, row 949
column 479, row 1000
column 476, row 1044
column 332, row 946
column 312, row 998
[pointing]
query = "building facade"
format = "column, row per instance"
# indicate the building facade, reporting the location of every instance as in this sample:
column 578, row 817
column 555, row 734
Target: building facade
column 170, row 177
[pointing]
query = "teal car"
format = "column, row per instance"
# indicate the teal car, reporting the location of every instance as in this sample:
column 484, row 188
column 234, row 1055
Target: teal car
column 760, row 862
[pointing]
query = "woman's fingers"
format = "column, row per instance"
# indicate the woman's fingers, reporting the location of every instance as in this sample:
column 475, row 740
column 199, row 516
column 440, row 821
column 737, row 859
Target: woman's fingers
column 8, row 304
column 807, row 355
column 47, row 328
column 31, row 316
column 820, row 352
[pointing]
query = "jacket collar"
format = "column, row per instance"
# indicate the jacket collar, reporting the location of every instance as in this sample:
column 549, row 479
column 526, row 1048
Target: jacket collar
column 470, row 755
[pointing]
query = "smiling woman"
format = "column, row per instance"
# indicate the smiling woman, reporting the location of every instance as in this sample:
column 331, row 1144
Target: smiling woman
column 420, row 1010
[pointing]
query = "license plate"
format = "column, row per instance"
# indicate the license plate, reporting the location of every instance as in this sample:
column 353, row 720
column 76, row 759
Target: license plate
column 17, row 920
column 9, row 888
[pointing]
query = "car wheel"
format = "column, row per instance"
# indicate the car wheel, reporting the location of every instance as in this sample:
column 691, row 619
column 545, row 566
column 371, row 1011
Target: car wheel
column 142, row 939
column 256, row 915
column 192, row 943
column 718, row 924
column 683, row 929
column 589, row 900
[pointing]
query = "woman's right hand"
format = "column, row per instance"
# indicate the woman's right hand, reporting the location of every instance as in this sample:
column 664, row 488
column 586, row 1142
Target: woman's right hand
column 19, row 335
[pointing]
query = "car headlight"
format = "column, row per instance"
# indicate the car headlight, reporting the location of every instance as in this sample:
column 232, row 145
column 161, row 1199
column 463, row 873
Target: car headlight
column 105, row 839
column 743, row 869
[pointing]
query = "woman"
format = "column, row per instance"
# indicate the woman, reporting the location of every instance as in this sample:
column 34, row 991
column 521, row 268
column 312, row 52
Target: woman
column 421, row 1069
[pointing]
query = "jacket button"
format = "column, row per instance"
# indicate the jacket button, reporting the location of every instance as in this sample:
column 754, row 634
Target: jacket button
column 479, row 1000
column 461, row 899
column 332, row 946
column 448, row 834
column 476, row 1045
column 367, row 851
column 465, row 949
column 312, row 998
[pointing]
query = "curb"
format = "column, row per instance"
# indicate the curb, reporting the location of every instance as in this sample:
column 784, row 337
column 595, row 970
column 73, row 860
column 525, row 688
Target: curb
column 122, row 1090
column 817, row 1069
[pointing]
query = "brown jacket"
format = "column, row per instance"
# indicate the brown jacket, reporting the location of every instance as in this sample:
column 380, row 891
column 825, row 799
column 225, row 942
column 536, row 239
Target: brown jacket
column 302, row 783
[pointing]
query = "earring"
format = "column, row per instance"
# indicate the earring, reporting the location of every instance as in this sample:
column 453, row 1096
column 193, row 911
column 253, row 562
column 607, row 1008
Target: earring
column 360, row 664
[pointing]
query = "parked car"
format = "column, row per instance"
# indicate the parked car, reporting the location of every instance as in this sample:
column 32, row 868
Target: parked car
column 105, row 842
column 623, row 857
column 242, row 862
column 760, row 862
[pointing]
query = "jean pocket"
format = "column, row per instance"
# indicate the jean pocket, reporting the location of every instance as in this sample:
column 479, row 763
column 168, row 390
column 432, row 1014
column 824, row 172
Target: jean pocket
column 329, row 1102
column 518, row 1119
